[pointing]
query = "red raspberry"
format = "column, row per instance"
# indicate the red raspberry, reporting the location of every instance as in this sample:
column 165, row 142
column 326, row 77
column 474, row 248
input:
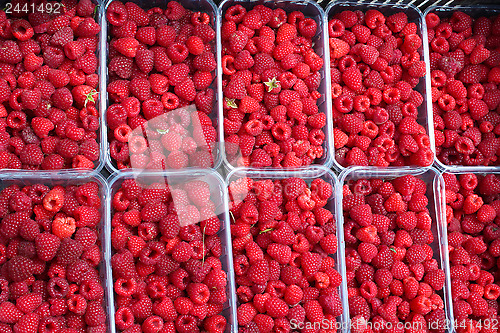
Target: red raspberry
column 435, row 279
column 359, row 307
column 338, row 48
column 367, row 251
column 9, row 312
column 19, row 268
column 276, row 307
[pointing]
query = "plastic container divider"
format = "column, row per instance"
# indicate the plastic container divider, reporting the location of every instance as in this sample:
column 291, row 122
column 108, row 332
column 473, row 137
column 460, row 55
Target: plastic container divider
column 309, row 174
column 425, row 116
column 320, row 45
column 475, row 11
column 66, row 178
column 205, row 6
column 437, row 210
column 217, row 185
column 101, row 104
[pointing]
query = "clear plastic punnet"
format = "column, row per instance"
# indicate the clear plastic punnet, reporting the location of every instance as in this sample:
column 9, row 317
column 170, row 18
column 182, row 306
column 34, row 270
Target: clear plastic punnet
column 75, row 178
column 475, row 12
column 425, row 116
column 94, row 95
column 308, row 174
column 177, row 185
column 452, row 227
column 435, row 193
column 319, row 43
column 173, row 134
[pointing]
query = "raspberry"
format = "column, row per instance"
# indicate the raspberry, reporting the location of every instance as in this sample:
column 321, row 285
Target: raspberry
column 123, row 265
column 63, row 227
column 276, row 307
column 478, row 304
column 359, row 307
column 19, row 268
column 407, row 220
column 246, row 312
column 153, row 211
column 435, row 279
column 338, row 48
column 472, row 203
column 367, row 251
column 280, row 253
column 477, row 108
column 69, row 251
column 415, row 254
column 9, row 313
column 95, row 314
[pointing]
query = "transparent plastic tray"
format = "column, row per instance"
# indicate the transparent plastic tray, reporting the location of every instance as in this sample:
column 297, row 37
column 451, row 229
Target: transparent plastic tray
column 309, row 174
column 320, row 45
column 476, row 171
column 425, row 116
column 219, row 197
column 205, row 6
column 437, row 210
column 66, row 178
column 101, row 132
column 475, row 11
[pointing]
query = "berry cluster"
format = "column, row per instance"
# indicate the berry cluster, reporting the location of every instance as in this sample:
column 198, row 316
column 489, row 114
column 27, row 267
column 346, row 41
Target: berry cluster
column 392, row 276
column 48, row 117
column 270, row 84
column 465, row 78
column 376, row 74
column 160, row 60
column 167, row 272
column 49, row 258
column 472, row 206
column 283, row 241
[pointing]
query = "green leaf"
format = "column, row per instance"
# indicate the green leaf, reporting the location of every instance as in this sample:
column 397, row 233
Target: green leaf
column 265, row 231
column 162, row 131
column 90, row 97
column 231, row 103
column 271, row 84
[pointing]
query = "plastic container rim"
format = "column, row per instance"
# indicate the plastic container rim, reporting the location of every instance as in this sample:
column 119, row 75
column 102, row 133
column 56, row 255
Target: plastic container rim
column 310, row 172
column 329, row 157
column 118, row 176
column 109, row 163
column 450, row 8
column 425, row 55
column 441, row 239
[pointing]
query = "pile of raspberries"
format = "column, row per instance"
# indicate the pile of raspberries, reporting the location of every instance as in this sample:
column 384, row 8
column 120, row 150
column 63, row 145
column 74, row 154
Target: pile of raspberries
column 272, row 75
column 284, row 242
column 167, row 269
column 377, row 71
column 48, row 81
column 465, row 78
column 161, row 73
column 472, row 208
column 50, row 252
